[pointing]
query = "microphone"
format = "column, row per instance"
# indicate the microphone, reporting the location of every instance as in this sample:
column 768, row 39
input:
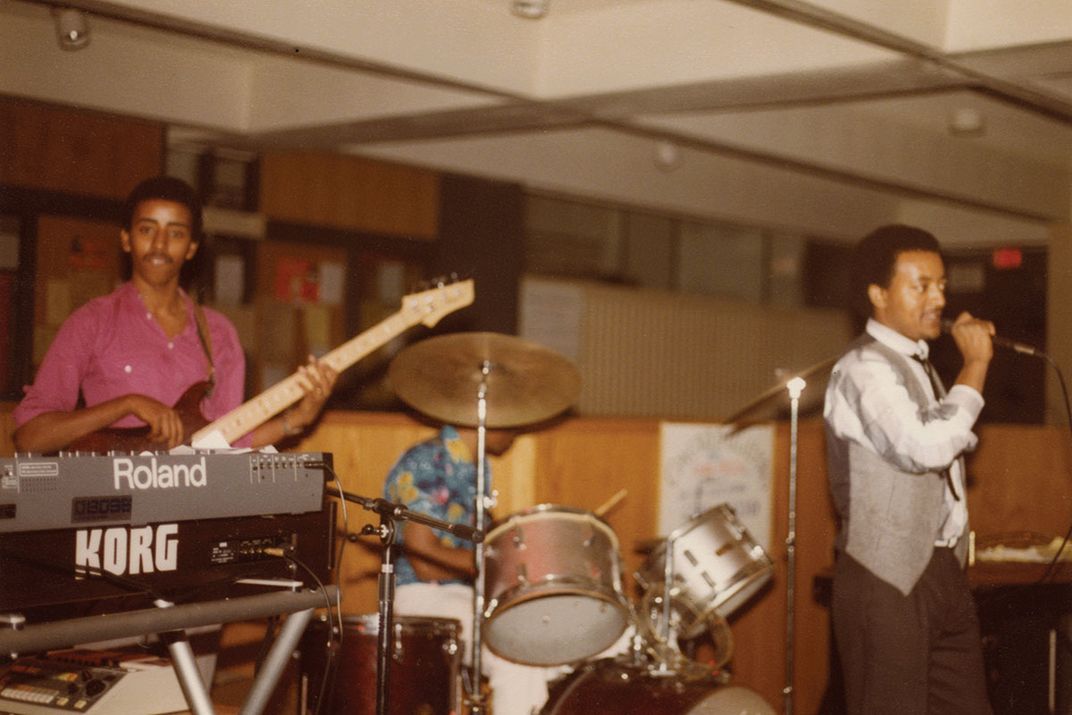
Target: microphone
column 1023, row 348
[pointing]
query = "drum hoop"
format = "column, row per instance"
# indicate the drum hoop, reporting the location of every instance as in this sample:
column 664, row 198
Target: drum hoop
column 715, row 600
column 530, row 592
column 549, row 507
column 696, row 520
column 618, row 671
column 566, row 512
column 370, row 623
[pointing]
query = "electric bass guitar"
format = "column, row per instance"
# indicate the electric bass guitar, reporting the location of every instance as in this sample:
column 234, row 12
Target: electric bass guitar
column 426, row 307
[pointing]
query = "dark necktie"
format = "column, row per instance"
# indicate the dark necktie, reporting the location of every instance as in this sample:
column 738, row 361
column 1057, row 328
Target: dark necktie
column 939, row 393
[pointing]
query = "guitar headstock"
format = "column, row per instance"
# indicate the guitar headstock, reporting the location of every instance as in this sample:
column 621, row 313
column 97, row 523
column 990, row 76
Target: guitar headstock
column 435, row 303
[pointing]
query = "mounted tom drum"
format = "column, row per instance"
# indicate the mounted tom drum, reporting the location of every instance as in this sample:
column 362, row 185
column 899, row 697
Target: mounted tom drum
column 554, row 587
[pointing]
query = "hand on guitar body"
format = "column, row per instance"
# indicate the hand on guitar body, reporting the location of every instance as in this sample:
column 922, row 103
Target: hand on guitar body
column 86, row 428
column 165, row 424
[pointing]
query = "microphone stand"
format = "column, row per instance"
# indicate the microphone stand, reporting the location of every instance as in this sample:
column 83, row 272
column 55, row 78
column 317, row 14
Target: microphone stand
column 795, row 387
column 390, row 513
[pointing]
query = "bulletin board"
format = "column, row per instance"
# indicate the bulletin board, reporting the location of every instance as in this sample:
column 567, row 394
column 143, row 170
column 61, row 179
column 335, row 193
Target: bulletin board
column 77, row 260
column 382, row 283
column 301, row 307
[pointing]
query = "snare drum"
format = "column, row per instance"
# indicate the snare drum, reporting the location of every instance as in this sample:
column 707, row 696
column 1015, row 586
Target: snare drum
column 553, row 587
column 717, row 566
column 425, row 659
column 610, row 686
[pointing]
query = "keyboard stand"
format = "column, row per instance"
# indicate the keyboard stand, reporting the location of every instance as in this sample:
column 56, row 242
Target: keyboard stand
column 171, row 622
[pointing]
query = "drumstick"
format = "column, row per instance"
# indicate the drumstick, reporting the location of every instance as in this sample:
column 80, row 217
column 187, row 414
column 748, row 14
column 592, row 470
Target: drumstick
column 611, row 503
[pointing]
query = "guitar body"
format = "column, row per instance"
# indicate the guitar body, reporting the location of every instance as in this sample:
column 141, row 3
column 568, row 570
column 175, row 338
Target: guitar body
column 136, row 439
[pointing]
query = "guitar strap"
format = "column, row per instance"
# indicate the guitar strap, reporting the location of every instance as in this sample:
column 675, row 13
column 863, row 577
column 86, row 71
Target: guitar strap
column 206, row 343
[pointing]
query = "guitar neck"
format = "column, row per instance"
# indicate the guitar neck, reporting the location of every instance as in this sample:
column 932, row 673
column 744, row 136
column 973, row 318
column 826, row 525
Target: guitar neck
column 286, row 392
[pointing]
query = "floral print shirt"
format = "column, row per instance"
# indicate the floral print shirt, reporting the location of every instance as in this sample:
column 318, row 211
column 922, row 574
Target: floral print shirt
column 438, row 478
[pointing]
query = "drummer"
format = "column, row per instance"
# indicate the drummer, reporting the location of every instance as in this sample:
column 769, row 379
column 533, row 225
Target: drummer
column 435, row 570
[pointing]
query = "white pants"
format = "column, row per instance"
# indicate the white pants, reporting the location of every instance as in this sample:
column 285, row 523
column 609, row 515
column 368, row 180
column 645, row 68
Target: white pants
column 516, row 689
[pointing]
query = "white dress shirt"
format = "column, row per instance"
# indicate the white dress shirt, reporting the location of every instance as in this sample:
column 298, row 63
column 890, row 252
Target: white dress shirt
column 879, row 414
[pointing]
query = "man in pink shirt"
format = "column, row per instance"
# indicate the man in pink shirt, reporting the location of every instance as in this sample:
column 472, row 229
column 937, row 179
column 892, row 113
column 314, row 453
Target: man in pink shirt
column 131, row 355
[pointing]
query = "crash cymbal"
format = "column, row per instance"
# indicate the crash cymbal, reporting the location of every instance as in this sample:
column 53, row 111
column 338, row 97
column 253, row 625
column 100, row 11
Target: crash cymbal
column 780, row 389
column 526, row 382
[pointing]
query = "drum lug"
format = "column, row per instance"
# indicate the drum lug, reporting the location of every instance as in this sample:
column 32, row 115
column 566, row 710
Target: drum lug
column 398, row 652
column 587, row 543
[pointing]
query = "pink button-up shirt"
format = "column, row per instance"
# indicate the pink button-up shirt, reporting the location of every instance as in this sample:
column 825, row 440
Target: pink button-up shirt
column 112, row 346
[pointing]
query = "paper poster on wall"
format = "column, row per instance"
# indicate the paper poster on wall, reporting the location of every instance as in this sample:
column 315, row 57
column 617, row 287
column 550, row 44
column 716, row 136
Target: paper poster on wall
column 230, row 280
column 91, row 253
column 87, row 285
column 706, row 465
column 390, row 282
column 296, row 279
column 57, row 301
column 332, row 282
column 317, row 322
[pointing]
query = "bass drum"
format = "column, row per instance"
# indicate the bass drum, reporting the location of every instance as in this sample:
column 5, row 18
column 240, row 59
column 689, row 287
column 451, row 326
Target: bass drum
column 611, row 686
column 425, row 660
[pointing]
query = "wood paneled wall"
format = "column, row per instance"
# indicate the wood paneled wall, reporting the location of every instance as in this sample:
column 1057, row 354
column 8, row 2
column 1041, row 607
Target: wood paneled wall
column 70, row 150
column 349, row 192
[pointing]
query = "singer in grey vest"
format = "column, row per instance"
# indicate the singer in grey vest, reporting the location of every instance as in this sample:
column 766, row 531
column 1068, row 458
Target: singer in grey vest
column 904, row 618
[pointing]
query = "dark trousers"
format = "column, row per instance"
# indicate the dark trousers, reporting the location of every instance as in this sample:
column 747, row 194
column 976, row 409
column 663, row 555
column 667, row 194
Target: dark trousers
column 919, row 654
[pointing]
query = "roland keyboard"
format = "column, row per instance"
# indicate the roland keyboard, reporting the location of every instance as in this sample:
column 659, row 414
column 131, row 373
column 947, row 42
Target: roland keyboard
column 71, row 491
column 89, row 534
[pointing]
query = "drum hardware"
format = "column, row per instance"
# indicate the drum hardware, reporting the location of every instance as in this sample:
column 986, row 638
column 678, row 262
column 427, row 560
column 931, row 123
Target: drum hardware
column 390, row 513
column 514, row 382
column 715, row 628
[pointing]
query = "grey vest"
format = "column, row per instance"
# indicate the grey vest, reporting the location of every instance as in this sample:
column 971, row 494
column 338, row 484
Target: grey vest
column 889, row 518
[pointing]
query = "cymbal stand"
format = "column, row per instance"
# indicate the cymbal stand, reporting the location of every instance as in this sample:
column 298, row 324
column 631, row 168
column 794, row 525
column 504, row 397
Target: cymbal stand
column 668, row 582
column 476, row 704
column 794, row 387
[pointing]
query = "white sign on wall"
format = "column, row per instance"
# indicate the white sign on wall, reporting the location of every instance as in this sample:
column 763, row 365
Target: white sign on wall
column 706, row 465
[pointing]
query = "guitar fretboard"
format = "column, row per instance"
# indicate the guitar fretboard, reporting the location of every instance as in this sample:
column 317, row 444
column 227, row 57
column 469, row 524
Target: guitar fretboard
column 426, row 307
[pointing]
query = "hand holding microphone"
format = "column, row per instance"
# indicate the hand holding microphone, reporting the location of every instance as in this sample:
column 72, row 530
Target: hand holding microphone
column 949, row 325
